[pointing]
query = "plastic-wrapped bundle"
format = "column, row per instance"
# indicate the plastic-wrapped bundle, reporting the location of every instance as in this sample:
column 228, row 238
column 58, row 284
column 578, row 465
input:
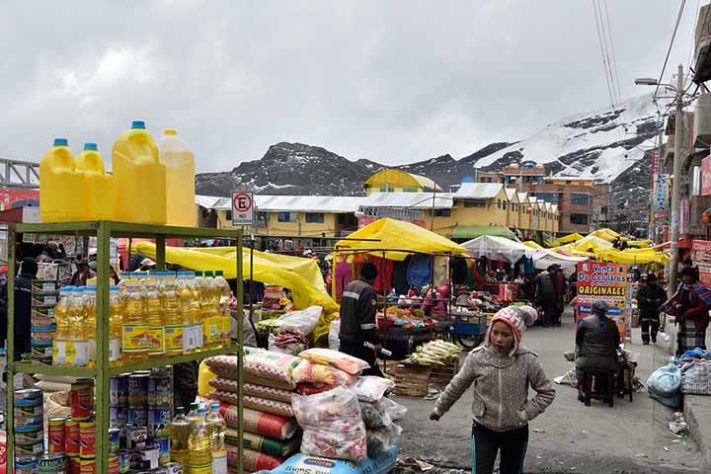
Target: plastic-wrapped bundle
column 308, row 371
column 260, row 391
column 345, row 362
column 261, row 404
column 382, row 440
column 332, row 423
column 371, row 388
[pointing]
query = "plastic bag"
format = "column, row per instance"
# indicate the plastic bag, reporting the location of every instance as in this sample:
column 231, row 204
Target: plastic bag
column 397, row 412
column 270, row 365
column 332, row 424
column 371, row 388
column 304, row 320
column 375, row 416
column 345, row 362
column 697, row 378
column 334, row 341
column 665, row 381
column 288, row 341
column 380, row 441
column 308, row 371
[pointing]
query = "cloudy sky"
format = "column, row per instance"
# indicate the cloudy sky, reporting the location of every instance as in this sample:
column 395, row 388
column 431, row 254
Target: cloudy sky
column 395, row 81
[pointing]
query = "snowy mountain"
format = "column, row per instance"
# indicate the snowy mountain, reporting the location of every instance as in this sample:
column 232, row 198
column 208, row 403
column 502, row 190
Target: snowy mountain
column 601, row 145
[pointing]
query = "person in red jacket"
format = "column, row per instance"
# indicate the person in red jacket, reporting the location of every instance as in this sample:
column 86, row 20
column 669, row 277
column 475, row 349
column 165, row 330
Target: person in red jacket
column 690, row 304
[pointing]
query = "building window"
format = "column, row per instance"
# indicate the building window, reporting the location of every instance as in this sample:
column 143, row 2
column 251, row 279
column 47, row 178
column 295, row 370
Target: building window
column 383, row 189
column 263, row 216
column 548, row 197
column 441, row 212
column 409, row 190
column 506, row 204
column 472, row 203
column 498, row 203
column 579, row 219
column 580, row 199
column 314, row 218
column 286, row 217
column 228, row 215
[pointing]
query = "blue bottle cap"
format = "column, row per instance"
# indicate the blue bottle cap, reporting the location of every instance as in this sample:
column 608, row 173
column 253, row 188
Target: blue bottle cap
column 138, row 124
column 90, row 147
column 61, row 142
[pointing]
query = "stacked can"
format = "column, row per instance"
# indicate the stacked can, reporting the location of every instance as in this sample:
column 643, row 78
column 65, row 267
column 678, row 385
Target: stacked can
column 28, row 429
column 80, row 438
column 119, row 456
column 160, row 409
column 44, row 298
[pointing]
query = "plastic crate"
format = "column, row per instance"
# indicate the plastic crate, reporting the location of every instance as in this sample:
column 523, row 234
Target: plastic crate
column 469, row 329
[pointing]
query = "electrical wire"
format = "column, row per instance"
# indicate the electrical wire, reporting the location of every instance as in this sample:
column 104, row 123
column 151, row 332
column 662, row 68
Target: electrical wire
column 612, row 49
column 693, row 34
column 671, row 44
column 606, row 69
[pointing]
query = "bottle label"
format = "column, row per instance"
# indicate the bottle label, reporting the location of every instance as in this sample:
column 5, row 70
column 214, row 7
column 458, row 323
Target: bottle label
column 114, row 349
column 174, row 338
column 80, row 354
column 219, row 463
column 199, row 336
column 211, row 329
column 188, row 338
column 156, row 339
column 59, row 353
column 134, row 338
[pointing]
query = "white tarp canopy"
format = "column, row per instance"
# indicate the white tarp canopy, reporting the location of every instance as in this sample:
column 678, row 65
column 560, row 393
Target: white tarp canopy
column 499, row 248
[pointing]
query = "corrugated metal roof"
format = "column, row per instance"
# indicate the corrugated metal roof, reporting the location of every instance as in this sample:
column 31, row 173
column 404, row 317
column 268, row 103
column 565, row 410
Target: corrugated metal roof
column 271, row 203
column 478, row 190
column 206, row 201
column 408, row 200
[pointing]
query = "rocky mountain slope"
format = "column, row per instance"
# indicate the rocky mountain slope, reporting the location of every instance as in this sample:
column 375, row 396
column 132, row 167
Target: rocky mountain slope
column 601, row 145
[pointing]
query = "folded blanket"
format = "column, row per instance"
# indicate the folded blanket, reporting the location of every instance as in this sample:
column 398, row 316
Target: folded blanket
column 265, row 424
column 264, row 444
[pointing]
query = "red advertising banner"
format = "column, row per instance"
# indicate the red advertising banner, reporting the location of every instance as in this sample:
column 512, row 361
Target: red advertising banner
column 9, row 196
column 706, row 176
column 701, row 258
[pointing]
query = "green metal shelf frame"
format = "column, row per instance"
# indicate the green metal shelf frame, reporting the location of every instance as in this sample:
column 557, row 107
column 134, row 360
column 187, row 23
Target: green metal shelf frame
column 104, row 231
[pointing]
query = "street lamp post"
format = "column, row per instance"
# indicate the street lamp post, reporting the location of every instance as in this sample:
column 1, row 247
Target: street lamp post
column 676, row 181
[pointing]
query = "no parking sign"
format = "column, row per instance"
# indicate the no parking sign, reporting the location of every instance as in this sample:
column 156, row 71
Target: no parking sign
column 242, row 208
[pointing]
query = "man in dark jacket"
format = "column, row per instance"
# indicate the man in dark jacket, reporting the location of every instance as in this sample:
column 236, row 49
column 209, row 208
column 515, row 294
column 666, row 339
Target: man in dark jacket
column 596, row 341
column 358, row 308
column 649, row 298
column 23, row 306
column 559, row 282
column 545, row 296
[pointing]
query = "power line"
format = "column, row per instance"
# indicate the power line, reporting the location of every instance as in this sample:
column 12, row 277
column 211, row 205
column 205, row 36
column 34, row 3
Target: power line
column 608, row 78
column 612, row 48
column 693, row 34
column 671, row 44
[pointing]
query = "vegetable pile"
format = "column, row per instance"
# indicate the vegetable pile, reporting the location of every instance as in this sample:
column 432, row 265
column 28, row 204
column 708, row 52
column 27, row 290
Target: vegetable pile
column 435, row 353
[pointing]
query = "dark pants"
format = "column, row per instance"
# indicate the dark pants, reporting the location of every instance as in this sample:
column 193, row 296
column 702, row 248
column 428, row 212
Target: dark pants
column 487, row 443
column 650, row 325
column 357, row 349
column 549, row 312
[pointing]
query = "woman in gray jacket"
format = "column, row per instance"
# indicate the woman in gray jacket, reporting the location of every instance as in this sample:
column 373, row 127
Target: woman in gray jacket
column 502, row 370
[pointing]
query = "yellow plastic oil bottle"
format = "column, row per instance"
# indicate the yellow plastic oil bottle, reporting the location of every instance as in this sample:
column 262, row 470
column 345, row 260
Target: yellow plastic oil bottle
column 134, row 333
column 61, row 316
column 180, row 179
column 99, row 186
column 170, row 307
column 210, row 310
column 189, row 308
column 61, row 191
column 77, row 339
column 154, row 318
column 115, row 324
column 89, row 293
column 224, row 293
column 199, row 453
column 179, row 434
column 140, row 177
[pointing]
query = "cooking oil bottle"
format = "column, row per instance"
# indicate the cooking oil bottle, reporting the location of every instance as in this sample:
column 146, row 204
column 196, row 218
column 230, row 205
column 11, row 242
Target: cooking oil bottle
column 179, row 435
column 89, row 293
column 224, row 293
column 217, row 428
column 185, row 296
column 170, row 307
column 210, row 312
column 77, row 340
column 199, row 454
column 201, row 288
column 115, row 325
column 154, row 318
column 61, row 316
column 134, row 333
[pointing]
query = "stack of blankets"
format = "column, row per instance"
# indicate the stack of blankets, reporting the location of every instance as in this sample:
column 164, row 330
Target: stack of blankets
column 271, row 433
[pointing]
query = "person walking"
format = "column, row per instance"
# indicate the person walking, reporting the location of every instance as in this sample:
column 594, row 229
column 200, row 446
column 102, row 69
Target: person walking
column 501, row 371
column 596, row 341
column 545, row 295
column 358, row 308
column 690, row 304
column 23, row 306
column 649, row 298
column 559, row 283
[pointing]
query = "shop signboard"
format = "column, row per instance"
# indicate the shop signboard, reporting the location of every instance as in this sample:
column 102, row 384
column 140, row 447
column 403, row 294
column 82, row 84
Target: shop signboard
column 706, row 176
column 609, row 282
column 243, row 208
column 701, row 258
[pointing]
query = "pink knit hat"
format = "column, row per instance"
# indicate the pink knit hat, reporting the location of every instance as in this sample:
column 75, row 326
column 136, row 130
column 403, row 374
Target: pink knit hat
column 518, row 318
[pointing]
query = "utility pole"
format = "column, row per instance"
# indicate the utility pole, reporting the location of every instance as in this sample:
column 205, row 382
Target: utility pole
column 679, row 132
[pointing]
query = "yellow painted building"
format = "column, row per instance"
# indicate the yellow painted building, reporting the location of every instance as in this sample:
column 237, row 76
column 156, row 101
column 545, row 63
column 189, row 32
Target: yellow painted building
column 394, row 180
column 512, row 211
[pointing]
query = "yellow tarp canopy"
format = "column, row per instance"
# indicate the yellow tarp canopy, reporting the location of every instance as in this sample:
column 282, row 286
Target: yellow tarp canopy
column 627, row 256
column 300, row 275
column 569, row 238
column 532, row 244
column 397, row 238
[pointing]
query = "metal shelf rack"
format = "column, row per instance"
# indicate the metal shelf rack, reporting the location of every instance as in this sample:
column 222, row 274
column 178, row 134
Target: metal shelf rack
column 104, row 231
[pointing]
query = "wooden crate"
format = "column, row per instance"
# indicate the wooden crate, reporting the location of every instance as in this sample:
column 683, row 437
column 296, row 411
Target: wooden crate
column 442, row 375
column 411, row 380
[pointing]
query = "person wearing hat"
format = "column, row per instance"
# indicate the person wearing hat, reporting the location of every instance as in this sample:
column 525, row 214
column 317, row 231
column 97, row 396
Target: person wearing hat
column 596, row 340
column 501, row 369
column 690, row 304
column 358, row 308
column 649, row 298
column 82, row 273
column 146, row 265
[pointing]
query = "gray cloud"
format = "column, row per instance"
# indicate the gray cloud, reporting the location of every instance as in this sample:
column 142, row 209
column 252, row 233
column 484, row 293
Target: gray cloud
column 392, row 81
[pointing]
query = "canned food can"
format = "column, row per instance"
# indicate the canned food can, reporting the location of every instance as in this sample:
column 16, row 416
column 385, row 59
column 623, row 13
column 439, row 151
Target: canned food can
column 160, row 391
column 174, row 468
column 57, row 435
column 158, row 422
column 124, row 461
column 138, row 389
column 118, row 416
column 118, row 390
column 82, row 399
column 71, row 439
column 137, row 437
column 137, row 417
column 27, row 437
column 28, row 411
column 74, row 465
column 87, row 466
column 32, row 449
column 164, row 447
column 25, row 464
column 52, row 463
column 114, row 440
column 87, row 439
column 150, row 457
column 27, row 394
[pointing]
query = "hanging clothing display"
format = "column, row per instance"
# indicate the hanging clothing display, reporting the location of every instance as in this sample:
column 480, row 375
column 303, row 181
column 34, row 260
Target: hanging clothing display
column 441, row 271
column 343, row 275
column 419, row 272
column 384, row 282
column 400, row 276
